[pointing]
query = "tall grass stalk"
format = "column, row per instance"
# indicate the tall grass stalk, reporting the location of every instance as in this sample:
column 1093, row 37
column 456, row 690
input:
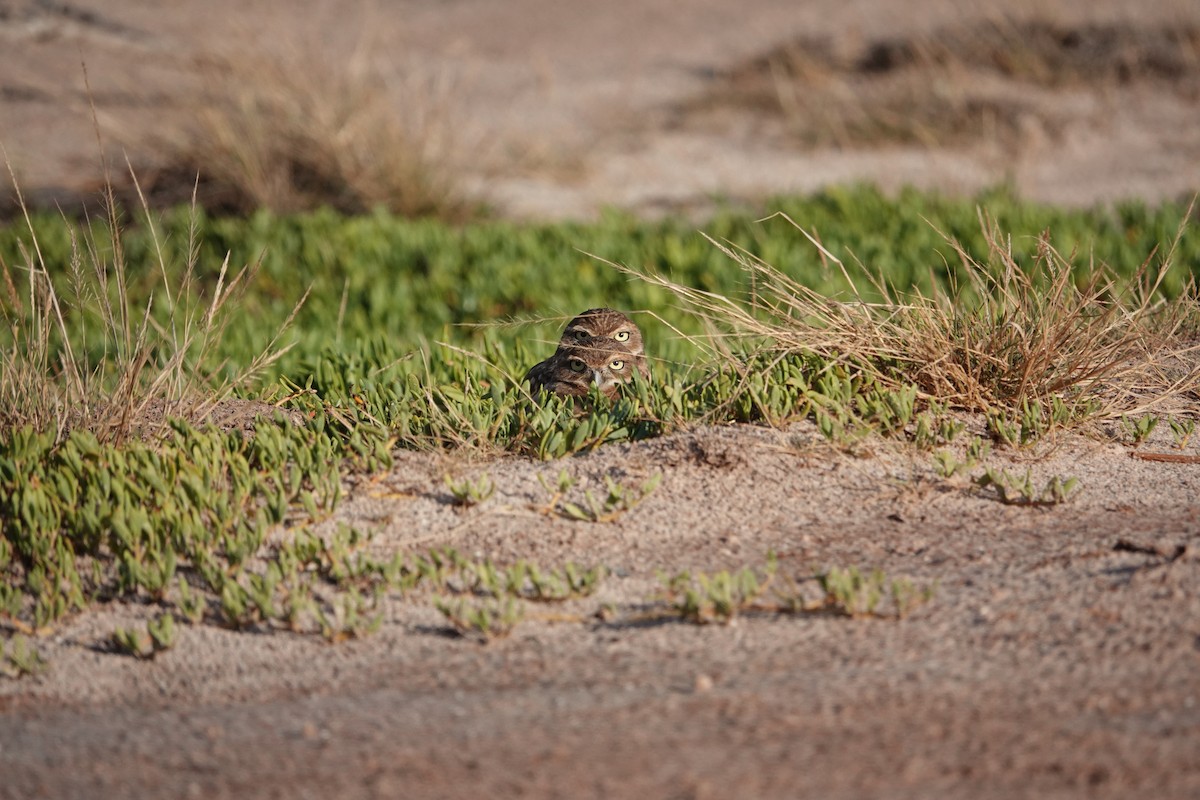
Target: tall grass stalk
column 77, row 352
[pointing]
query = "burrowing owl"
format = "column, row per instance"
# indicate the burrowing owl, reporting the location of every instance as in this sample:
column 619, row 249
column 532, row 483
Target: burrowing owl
column 575, row 368
column 606, row 323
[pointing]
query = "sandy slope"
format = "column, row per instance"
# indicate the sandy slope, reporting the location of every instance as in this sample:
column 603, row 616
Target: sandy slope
column 560, row 109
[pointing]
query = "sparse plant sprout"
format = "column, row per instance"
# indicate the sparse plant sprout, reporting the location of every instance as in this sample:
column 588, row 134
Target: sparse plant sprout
column 485, row 619
column 580, row 582
column 395, row 573
column 1038, row 419
column 1034, row 424
column 842, row 429
column 158, row 635
column 830, row 427
column 1059, row 489
column 1022, row 491
column 978, row 450
column 562, row 482
column 19, row 658
column 513, row 581
column 723, row 596
column 469, row 492
column 162, row 632
column 1182, row 429
column 1063, row 415
column 1139, row 429
column 718, row 597
column 528, row 581
column 935, row 426
column 365, row 572
column 617, row 500
column 351, row 617
column 852, row 592
column 236, row 609
column 907, row 596
column 132, row 642
column 483, row 577
column 557, row 488
column 261, row 591
column 946, row 465
column 888, row 410
column 439, row 566
column 298, row 605
column 923, row 435
column 949, row 428
column 1002, row 429
column 901, row 402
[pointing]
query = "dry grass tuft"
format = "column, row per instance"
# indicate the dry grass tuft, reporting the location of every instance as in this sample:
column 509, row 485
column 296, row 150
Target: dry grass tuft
column 78, row 354
column 1010, row 336
column 289, row 132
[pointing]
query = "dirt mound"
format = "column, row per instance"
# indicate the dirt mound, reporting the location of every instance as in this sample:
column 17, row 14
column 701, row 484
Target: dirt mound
column 986, row 80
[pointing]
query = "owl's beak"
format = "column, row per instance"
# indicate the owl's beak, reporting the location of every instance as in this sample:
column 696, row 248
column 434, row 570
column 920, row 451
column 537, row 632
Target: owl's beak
column 597, row 378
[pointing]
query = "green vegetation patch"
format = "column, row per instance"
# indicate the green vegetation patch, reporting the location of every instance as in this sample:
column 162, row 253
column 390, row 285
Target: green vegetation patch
column 84, row 521
column 407, row 283
column 416, row 334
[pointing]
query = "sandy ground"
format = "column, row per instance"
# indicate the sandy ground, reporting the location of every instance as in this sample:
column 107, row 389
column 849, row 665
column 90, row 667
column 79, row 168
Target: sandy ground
column 1054, row 660
column 559, row 110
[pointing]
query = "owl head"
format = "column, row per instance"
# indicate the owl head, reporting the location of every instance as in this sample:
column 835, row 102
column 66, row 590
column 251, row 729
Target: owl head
column 576, row 368
column 603, row 323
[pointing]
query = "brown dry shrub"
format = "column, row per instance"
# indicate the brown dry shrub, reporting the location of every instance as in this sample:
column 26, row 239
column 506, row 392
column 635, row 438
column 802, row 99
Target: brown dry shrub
column 288, row 132
column 1010, row 335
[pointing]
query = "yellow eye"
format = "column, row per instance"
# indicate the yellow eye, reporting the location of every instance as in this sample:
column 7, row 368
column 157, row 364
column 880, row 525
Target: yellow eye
column 621, row 336
column 617, row 366
column 577, row 365
column 580, row 333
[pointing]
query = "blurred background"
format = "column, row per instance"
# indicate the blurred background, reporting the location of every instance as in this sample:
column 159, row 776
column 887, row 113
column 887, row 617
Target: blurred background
column 539, row 109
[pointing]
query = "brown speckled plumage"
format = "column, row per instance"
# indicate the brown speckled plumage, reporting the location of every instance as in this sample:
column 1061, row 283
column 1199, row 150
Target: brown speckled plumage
column 601, row 346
